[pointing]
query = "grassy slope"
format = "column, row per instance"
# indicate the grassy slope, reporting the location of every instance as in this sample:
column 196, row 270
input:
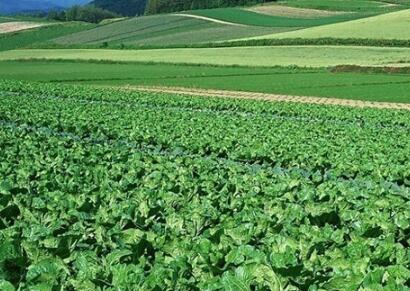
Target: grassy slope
column 162, row 30
column 6, row 19
column 309, row 56
column 356, row 8
column 237, row 15
column 29, row 37
column 314, row 82
column 348, row 5
column 394, row 25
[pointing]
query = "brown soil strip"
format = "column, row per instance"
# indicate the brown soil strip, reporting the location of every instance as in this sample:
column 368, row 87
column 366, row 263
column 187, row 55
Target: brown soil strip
column 270, row 97
column 8, row 27
column 285, row 11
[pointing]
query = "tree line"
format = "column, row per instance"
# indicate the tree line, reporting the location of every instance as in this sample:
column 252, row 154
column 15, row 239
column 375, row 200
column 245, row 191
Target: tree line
column 87, row 13
column 104, row 9
column 165, row 6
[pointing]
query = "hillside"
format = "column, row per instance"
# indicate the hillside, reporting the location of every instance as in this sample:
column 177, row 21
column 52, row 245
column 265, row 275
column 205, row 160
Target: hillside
column 391, row 26
column 40, row 35
column 162, row 30
column 215, row 25
column 11, row 7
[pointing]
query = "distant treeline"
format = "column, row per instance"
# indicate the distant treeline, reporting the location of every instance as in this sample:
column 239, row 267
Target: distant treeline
column 103, row 9
column 165, row 6
column 122, row 7
column 87, row 13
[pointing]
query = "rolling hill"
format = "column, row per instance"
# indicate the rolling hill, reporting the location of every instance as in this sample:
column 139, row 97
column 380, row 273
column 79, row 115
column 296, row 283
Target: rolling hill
column 162, row 30
column 393, row 25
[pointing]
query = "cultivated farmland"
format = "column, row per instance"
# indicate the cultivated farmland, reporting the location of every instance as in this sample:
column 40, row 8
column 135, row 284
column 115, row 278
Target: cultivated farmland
column 248, row 17
column 38, row 35
column 250, row 148
column 14, row 26
column 387, row 26
column 181, row 193
column 302, row 56
column 368, row 85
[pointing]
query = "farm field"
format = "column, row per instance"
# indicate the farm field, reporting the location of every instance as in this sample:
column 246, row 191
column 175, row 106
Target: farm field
column 387, row 26
column 31, row 37
column 252, row 148
column 13, row 26
column 350, row 5
column 302, row 56
column 161, row 30
column 117, row 185
column 276, row 9
column 321, row 82
column 246, row 17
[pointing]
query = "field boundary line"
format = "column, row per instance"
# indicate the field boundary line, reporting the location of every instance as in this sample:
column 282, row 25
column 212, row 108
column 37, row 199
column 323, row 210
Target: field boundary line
column 270, row 97
column 209, row 19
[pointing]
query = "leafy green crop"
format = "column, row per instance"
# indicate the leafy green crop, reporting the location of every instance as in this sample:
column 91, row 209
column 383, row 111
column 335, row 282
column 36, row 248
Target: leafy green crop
column 116, row 190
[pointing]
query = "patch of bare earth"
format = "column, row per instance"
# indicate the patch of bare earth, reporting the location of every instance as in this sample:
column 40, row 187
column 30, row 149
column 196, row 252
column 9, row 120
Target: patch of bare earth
column 285, row 11
column 14, row 26
column 269, row 97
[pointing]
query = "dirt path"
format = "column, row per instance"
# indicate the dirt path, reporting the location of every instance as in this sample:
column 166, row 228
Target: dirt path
column 14, row 26
column 208, row 19
column 270, row 97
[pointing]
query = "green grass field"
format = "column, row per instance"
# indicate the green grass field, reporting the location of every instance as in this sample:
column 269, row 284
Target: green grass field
column 162, row 30
column 6, row 19
column 292, row 81
column 302, row 56
column 31, row 37
column 237, row 15
column 387, row 26
column 349, row 5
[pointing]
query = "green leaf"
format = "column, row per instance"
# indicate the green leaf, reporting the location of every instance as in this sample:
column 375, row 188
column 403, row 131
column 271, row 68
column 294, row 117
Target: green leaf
column 234, row 283
column 115, row 256
column 6, row 286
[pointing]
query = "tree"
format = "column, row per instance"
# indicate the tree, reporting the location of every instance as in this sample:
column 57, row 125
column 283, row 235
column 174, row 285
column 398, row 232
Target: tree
column 122, row 7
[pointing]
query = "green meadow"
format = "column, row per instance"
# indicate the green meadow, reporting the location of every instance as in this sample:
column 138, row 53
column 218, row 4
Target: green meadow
column 302, row 56
column 35, row 36
column 392, row 26
column 278, row 80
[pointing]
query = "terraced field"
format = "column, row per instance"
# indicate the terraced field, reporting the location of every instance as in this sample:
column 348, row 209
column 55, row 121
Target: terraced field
column 145, row 191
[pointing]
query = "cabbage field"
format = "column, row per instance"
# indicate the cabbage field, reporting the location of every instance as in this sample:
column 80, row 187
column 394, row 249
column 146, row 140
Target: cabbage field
column 103, row 189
